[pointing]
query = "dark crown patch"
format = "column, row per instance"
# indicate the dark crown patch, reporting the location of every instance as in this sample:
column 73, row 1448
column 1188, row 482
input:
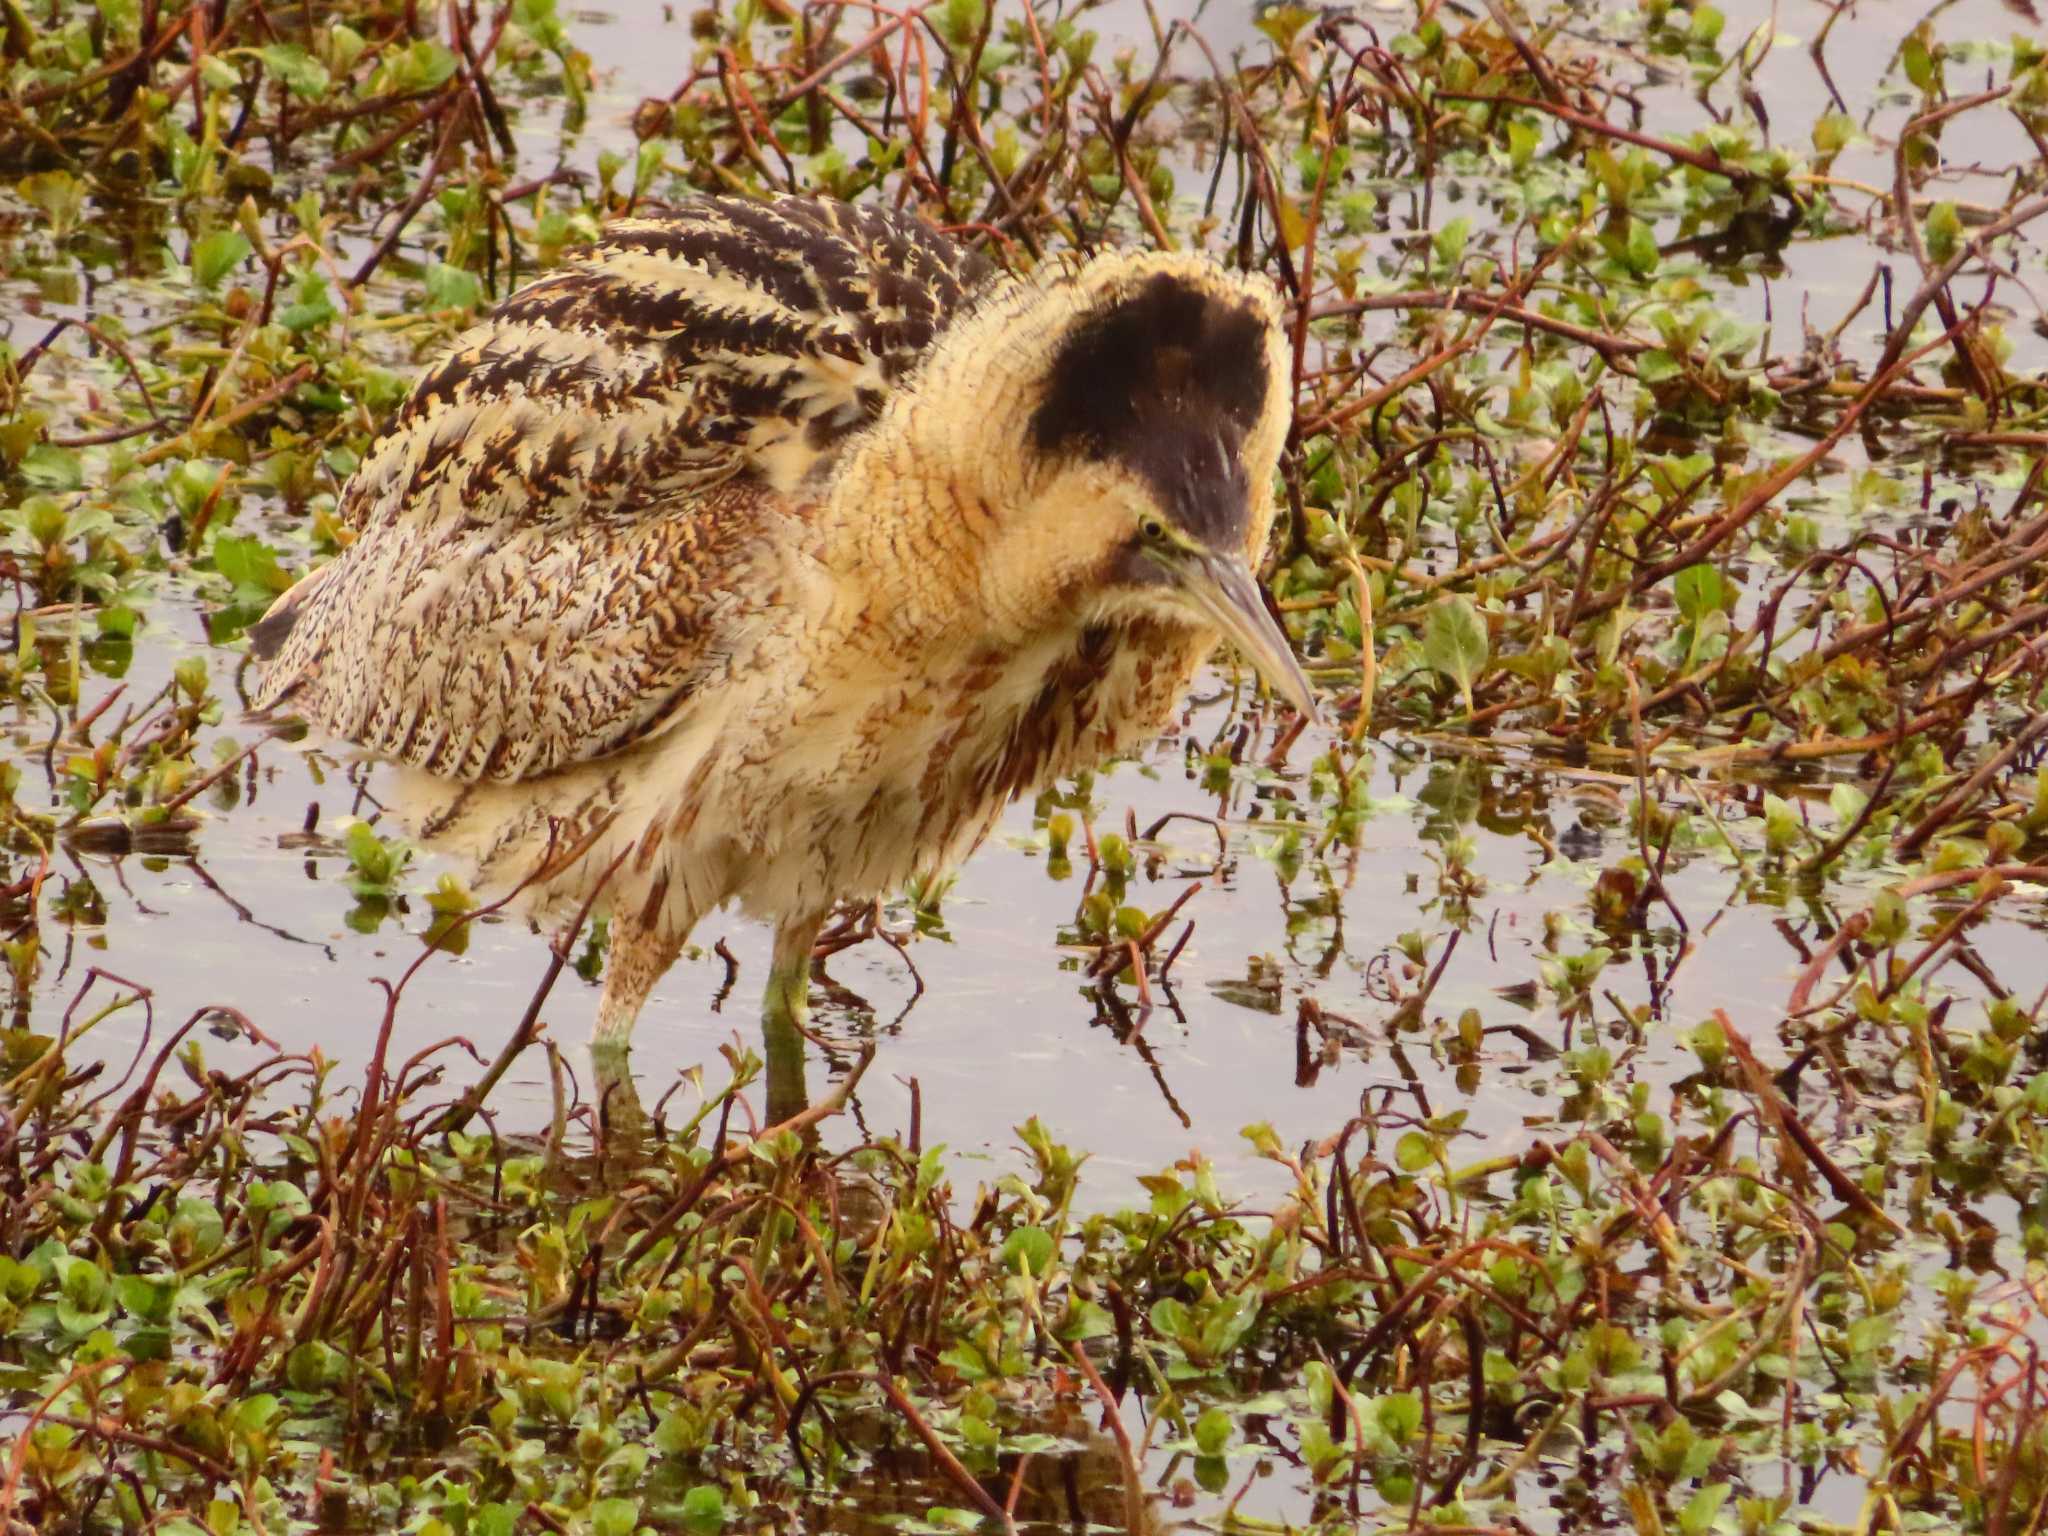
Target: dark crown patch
column 1167, row 381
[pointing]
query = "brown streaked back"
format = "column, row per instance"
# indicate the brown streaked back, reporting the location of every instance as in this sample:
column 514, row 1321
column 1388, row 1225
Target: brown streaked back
column 545, row 529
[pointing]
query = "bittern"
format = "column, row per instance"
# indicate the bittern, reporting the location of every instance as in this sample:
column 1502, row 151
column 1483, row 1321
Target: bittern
column 762, row 553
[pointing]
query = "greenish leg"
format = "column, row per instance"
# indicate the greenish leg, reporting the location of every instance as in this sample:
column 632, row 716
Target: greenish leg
column 624, row 1116
column 785, row 1008
column 637, row 959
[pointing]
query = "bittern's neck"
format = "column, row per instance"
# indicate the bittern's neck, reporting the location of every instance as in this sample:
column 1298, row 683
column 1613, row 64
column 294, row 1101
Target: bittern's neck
column 929, row 500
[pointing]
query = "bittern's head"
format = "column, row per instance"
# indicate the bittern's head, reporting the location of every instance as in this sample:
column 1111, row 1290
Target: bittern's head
column 1145, row 399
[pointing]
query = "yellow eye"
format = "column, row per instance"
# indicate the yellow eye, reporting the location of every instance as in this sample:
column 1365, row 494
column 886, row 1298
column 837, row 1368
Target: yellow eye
column 1153, row 530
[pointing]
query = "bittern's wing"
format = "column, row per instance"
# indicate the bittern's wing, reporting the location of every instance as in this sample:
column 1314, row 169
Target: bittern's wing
column 549, row 535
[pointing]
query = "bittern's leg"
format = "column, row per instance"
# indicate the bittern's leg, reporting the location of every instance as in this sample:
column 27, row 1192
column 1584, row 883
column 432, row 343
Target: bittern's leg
column 637, row 957
column 784, row 1010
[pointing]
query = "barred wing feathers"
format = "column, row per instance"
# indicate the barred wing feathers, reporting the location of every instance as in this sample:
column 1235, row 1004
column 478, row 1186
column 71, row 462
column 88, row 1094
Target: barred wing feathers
column 552, row 533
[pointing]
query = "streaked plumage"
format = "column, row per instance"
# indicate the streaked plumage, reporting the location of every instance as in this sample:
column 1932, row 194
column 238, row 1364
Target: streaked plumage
column 770, row 549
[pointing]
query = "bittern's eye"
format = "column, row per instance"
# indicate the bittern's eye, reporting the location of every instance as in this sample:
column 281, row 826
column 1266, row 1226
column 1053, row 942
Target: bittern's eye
column 1152, row 530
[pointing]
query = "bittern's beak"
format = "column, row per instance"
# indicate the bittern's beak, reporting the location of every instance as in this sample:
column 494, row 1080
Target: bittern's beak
column 1224, row 592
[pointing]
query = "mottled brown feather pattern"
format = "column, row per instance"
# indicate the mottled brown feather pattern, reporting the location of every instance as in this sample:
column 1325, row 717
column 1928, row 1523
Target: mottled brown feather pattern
column 552, row 527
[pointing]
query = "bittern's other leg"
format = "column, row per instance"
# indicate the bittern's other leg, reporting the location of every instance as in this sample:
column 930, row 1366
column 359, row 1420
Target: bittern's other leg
column 785, row 1009
column 637, row 957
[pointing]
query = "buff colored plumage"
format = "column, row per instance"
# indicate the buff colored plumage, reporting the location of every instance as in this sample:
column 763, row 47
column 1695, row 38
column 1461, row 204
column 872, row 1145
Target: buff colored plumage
column 766, row 551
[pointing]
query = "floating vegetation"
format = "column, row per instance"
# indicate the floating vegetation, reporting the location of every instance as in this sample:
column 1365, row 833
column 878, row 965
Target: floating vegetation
column 1666, row 520
column 244, row 1293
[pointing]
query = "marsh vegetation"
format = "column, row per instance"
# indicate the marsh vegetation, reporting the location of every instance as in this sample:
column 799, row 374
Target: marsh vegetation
column 1595, row 1080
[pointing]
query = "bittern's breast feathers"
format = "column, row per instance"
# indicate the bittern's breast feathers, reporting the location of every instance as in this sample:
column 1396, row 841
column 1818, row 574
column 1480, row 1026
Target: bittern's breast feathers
column 550, row 532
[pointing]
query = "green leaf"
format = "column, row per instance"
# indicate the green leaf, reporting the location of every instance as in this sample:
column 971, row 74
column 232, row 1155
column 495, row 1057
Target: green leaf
column 1400, row 1415
column 422, row 66
column 217, row 74
column 1523, row 139
column 344, row 44
column 47, row 467
column 1212, row 1432
column 1944, row 231
column 256, row 1412
column 251, row 565
column 1090, row 1320
column 677, row 1434
column 1028, row 1248
column 376, row 862
column 1414, row 1152
column 311, row 306
column 1454, row 644
column 59, row 194
column 1449, row 242
column 616, row 1517
column 119, row 15
column 196, row 1230
column 967, row 1360
column 302, row 74
column 1224, row 1325
column 1918, row 61
column 453, row 287
column 450, row 897
column 146, row 1298
column 1613, row 179
column 1316, row 1376
column 1700, row 592
column 1283, row 23
column 1640, row 254
column 19, row 1281
column 1832, row 132
column 190, row 482
column 703, row 1510
column 83, row 1283
column 1658, row 367
column 1782, row 825
column 214, row 257
column 1697, row 1518
column 647, row 163
column 1170, row 1318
